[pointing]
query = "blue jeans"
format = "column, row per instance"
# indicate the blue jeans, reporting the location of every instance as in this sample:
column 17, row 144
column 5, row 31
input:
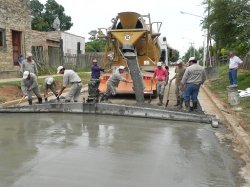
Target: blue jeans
column 232, row 76
column 191, row 90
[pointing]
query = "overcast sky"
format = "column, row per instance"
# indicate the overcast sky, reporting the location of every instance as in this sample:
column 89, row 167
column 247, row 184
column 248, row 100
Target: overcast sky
column 180, row 29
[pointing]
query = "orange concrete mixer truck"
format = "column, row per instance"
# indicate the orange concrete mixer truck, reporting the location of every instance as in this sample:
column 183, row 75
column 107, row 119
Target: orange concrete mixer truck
column 132, row 41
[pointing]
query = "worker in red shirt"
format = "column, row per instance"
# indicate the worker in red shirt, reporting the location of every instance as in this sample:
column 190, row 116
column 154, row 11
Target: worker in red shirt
column 161, row 75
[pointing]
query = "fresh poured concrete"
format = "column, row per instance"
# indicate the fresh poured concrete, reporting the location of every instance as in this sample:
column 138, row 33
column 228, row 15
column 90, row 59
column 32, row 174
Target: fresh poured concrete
column 102, row 151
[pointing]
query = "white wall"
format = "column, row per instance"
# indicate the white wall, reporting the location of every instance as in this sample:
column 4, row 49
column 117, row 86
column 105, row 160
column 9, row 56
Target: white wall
column 70, row 43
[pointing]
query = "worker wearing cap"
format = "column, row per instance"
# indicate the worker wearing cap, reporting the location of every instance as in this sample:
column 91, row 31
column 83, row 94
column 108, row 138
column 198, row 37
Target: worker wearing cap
column 28, row 85
column 95, row 70
column 50, row 83
column 179, row 72
column 193, row 77
column 70, row 77
column 29, row 65
column 161, row 76
column 113, row 82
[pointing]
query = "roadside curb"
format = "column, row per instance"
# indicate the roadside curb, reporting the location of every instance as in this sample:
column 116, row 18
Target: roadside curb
column 230, row 121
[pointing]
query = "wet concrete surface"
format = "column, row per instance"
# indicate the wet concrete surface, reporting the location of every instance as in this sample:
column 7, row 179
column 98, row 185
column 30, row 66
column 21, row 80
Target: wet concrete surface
column 89, row 150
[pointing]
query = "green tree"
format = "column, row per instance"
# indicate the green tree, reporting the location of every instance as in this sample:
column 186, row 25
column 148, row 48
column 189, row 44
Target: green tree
column 93, row 35
column 44, row 16
column 95, row 46
column 173, row 55
column 229, row 23
column 198, row 54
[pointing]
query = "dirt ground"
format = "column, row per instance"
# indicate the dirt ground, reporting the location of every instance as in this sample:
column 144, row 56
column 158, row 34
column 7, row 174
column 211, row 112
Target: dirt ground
column 10, row 93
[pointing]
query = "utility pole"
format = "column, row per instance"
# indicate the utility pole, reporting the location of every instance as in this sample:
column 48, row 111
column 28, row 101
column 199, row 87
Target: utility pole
column 192, row 47
column 208, row 53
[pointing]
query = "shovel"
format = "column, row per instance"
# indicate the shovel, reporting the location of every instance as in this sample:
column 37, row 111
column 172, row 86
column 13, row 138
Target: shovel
column 169, row 86
column 20, row 101
column 150, row 97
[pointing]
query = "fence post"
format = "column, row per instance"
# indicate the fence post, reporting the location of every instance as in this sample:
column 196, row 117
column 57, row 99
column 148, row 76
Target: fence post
column 61, row 52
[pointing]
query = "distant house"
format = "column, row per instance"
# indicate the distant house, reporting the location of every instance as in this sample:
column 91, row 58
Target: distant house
column 15, row 35
column 52, row 47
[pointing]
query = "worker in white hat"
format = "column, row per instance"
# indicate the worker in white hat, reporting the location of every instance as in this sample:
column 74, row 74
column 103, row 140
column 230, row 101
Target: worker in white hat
column 29, row 65
column 179, row 72
column 113, row 82
column 50, row 83
column 28, row 85
column 161, row 75
column 70, row 77
column 191, row 81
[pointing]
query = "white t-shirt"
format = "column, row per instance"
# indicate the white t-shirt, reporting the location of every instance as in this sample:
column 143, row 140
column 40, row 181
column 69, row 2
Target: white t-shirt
column 234, row 62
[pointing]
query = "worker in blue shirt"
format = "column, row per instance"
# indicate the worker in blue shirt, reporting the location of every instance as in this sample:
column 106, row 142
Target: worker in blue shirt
column 95, row 70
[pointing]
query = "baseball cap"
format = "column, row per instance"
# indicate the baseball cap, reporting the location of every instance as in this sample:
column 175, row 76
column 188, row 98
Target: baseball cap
column 191, row 59
column 26, row 74
column 59, row 69
column 50, row 80
column 121, row 67
column 159, row 64
column 179, row 61
column 29, row 54
column 94, row 60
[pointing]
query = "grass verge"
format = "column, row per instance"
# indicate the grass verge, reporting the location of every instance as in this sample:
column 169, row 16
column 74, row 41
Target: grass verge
column 219, row 86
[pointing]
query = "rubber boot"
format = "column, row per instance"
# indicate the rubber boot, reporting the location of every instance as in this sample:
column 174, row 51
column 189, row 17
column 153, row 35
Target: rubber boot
column 106, row 99
column 30, row 101
column 178, row 102
column 160, row 100
column 195, row 104
column 102, row 98
column 57, row 97
column 181, row 104
column 40, row 100
column 187, row 105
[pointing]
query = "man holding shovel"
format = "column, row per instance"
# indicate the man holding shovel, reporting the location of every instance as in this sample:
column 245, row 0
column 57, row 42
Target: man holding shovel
column 50, row 83
column 28, row 85
column 161, row 76
column 70, row 77
column 179, row 72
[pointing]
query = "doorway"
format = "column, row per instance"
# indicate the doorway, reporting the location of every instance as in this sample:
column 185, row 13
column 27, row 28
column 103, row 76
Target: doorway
column 16, row 44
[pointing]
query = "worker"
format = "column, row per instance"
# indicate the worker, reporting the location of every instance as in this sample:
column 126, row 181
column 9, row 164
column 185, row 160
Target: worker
column 29, row 65
column 28, row 85
column 191, row 81
column 95, row 70
column 50, row 83
column 113, row 82
column 234, row 62
column 161, row 75
column 70, row 77
column 179, row 72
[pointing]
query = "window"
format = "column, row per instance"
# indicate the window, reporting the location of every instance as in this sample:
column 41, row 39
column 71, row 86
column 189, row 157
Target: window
column 2, row 37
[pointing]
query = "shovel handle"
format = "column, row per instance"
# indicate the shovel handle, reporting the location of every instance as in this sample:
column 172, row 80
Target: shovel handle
column 169, row 86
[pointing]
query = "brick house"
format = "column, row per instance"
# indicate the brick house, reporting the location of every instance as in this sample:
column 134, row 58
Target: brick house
column 15, row 34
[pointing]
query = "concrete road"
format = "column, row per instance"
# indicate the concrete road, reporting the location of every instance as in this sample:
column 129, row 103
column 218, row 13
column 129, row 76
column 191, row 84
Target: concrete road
column 83, row 150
